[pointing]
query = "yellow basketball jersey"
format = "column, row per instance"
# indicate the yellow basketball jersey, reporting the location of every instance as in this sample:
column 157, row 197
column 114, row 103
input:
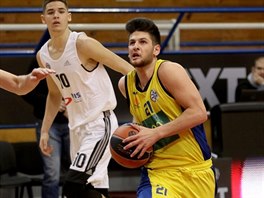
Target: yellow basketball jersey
column 153, row 107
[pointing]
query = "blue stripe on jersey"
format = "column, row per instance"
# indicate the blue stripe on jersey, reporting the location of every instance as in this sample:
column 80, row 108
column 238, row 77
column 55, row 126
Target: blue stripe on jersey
column 200, row 137
column 144, row 189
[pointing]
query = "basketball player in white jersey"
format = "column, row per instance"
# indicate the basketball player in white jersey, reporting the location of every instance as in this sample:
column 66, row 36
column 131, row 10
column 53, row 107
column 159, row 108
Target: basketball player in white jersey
column 82, row 81
column 22, row 84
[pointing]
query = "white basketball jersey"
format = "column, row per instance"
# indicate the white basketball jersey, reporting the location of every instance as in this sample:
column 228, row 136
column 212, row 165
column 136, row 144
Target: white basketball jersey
column 86, row 93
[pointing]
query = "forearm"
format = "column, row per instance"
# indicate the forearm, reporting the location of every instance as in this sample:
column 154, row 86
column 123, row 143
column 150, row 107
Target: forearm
column 25, row 84
column 187, row 120
column 51, row 110
column 13, row 83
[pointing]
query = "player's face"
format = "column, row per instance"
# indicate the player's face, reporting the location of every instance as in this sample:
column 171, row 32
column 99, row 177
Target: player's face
column 56, row 16
column 141, row 50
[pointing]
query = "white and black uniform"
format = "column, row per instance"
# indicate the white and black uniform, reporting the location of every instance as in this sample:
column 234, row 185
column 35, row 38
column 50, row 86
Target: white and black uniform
column 90, row 100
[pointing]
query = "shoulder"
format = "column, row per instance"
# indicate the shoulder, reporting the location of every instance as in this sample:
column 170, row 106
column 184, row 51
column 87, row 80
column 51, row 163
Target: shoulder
column 83, row 39
column 86, row 44
column 172, row 76
column 169, row 67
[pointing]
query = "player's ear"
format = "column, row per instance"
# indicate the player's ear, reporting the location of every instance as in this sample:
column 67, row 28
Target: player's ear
column 42, row 19
column 156, row 50
column 69, row 17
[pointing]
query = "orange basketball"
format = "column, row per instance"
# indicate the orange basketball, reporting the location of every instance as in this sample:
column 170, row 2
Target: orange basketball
column 122, row 156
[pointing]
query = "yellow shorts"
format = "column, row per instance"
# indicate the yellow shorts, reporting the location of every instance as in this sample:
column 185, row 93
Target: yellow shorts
column 184, row 183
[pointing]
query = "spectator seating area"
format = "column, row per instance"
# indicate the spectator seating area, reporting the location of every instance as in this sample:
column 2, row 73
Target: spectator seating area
column 200, row 30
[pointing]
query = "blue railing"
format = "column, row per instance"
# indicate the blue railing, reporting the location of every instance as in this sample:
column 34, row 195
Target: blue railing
column 17, row 126
column 139, row 10
column 179, row 11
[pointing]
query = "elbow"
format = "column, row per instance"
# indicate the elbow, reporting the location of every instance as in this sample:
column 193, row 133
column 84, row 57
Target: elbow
column 22, row 89
column 203, row 116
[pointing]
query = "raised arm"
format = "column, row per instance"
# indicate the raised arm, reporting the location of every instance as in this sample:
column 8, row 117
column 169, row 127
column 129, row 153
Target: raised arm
column 176, row 80
column 90, row 48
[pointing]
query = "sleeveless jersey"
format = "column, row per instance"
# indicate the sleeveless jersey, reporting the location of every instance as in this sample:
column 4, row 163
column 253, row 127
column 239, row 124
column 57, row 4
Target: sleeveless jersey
column 153, row 107
column 86, row 93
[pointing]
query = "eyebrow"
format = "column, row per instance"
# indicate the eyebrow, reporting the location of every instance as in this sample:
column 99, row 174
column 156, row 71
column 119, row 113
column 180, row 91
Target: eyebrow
column 51, row 9
column 141, row 38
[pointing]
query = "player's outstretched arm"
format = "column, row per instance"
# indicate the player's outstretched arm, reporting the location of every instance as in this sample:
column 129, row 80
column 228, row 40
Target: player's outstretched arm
column 23, row 84
column 99, row 53
column 28, row 82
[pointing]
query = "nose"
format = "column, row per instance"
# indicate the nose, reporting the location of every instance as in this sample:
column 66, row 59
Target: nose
column 135, row 46
column 56, row 14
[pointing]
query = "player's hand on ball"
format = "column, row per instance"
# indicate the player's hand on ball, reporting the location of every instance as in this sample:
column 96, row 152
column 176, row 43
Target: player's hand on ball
column 143, row 140
column 43, row 144
column 122, row 156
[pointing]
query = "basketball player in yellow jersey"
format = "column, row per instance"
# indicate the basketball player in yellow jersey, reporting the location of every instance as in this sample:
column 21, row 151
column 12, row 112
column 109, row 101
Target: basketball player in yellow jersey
column 170, row 112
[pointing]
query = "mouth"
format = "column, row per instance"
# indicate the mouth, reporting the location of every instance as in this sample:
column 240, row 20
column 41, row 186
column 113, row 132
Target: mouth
column 135, row 56
column 56, row 23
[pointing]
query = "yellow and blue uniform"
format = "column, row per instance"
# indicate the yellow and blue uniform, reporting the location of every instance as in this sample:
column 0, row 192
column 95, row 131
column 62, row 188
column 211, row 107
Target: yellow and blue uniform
column 180, row 162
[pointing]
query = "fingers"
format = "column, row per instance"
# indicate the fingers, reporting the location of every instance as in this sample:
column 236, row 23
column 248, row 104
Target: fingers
column 46, row 71
column 141, row 154
column 129, row 145
column 47, row 151
column 62, row 107
column 43, row 144
column 139, row 149
column 40, row 73
column 135, row 126
column 138, row 141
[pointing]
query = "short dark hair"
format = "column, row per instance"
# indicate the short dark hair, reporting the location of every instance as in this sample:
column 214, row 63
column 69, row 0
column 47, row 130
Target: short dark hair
column 144, row 25
column 45, row 2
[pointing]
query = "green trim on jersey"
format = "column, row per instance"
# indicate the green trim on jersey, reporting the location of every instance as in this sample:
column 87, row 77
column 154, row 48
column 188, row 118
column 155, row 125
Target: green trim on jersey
column 154, row 106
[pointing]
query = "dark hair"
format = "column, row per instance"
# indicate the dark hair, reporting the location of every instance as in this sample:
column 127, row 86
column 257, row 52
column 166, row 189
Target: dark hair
column 45, row 2
column 144, row 25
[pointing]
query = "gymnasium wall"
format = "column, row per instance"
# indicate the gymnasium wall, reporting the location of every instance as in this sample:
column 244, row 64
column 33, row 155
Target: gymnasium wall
column 110, row 36
column 215, row 75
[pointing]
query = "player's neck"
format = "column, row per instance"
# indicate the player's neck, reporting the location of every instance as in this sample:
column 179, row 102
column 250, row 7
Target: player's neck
column 146, row 71
column 144, row 75
column 59, row 41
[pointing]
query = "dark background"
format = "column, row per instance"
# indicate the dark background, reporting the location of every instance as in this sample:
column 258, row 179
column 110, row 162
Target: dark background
column 14, row 110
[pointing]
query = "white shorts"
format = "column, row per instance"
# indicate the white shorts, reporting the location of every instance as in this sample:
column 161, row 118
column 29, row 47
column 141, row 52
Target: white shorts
column 90, row 152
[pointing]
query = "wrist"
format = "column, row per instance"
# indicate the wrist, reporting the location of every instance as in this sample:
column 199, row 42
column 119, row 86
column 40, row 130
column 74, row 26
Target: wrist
column 44, row 133
column 158, row 132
